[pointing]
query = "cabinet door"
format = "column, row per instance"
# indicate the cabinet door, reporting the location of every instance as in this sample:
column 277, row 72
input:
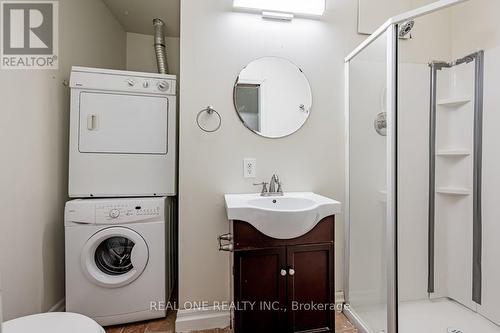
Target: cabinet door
column 311, row 288
column 260, row 290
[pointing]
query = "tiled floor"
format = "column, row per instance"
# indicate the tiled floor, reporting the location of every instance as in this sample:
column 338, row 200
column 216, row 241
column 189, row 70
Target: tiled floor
column 164, row 325
column 167, row 325
column 342, row 325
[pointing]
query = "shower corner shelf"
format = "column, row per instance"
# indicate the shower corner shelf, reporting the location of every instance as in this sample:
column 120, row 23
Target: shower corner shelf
column 453, row 152
column 453, row 191
column 454, row 101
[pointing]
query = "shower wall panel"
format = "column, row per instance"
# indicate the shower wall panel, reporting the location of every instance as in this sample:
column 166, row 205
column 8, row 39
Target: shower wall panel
column 490, row 306
column 413, row 163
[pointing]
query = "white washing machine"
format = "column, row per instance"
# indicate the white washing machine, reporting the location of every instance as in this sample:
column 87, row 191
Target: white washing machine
column 122, row 134
column 118, row 268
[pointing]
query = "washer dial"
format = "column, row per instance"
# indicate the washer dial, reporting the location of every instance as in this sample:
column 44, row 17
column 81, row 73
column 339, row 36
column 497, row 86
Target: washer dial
column 114, row 213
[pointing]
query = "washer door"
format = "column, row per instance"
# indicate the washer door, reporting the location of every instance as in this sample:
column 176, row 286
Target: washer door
column 114, row 257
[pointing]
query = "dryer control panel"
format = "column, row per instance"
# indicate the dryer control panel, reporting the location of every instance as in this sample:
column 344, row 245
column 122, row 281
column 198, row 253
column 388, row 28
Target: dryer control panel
column 113, row 80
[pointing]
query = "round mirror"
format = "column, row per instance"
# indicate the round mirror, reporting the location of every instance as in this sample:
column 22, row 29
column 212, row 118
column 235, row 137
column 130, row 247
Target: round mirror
column 272, row 97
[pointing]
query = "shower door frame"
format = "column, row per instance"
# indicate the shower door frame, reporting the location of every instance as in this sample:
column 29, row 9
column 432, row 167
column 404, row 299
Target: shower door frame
column 390, row 27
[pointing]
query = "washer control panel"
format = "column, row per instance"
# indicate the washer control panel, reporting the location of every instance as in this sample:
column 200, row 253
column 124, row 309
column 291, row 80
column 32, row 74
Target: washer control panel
column 126, row 212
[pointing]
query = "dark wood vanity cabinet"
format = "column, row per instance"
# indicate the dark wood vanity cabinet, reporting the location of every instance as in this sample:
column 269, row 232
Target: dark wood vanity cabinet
column 311, row 285
column 284, row 285
column 258, row 282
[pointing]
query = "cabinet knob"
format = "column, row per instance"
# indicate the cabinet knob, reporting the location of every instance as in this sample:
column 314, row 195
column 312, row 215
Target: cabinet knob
column 226, row 247
column 291, row 272
column 283, row 272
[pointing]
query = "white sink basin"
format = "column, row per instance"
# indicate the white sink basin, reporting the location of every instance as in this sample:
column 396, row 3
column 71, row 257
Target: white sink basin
column 282, row 217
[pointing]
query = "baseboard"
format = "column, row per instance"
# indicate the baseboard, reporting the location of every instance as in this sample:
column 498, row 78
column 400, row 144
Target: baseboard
column 59, row 306
column 356, row 320
column 201, row 319
column 339, row 297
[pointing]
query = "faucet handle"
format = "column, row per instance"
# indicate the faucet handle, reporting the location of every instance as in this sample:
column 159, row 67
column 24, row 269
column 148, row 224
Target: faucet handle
column 280, row 188
column 264, row 187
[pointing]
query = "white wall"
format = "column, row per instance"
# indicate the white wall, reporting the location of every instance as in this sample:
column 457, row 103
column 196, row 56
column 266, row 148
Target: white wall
column 34, row 150
column 141, row 56
column 216, row 43
column 475, row 26
column 372, row 14
column 431, row 40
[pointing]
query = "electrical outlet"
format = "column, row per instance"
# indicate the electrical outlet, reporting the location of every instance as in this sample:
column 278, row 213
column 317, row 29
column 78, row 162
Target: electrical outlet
column 249, row 168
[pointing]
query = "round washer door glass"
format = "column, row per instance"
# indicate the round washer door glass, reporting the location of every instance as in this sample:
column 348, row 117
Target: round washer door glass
column 114, row 257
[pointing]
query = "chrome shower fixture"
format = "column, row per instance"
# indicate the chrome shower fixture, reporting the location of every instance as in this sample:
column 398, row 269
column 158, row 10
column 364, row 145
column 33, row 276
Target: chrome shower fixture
column 380, row 123
column 405, row 28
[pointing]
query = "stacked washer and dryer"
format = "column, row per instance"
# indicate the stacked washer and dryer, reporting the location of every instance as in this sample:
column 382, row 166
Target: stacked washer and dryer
column 120, row 231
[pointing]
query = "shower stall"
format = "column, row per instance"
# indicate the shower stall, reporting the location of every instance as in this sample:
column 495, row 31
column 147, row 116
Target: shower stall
column 423, row 172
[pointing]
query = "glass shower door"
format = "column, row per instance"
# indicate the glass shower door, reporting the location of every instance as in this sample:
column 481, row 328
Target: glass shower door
column 367, row 187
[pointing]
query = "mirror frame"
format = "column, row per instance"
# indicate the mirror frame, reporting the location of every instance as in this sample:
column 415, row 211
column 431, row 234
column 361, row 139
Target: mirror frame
column 243, row 121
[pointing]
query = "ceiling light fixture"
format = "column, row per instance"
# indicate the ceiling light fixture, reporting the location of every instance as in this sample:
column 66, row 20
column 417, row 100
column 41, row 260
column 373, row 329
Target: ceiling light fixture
column 297, row 7
column 277, row 16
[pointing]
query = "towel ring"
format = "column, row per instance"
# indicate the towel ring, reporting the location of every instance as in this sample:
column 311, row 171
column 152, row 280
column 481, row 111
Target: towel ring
column 209, row 110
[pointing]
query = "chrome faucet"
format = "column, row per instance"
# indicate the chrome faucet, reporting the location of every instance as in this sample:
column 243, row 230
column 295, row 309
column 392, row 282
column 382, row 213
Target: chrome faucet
column 272, row 183
column 275, row 188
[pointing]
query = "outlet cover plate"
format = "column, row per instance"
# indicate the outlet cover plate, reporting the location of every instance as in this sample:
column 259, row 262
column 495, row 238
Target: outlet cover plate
column 249, row 167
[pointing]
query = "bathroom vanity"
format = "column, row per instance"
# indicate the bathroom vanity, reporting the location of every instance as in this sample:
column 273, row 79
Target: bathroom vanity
column 281, row 244
column 283, row 282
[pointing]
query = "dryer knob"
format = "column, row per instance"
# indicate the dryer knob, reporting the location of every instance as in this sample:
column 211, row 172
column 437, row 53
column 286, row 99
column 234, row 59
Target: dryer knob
column 114, row 213
column 163, row 86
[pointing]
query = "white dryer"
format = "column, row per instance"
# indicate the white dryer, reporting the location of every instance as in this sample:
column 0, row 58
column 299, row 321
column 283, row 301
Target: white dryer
column 122, row 134
column 118, row 268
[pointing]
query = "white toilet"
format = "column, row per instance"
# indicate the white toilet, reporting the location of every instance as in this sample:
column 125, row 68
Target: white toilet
column 52, row 322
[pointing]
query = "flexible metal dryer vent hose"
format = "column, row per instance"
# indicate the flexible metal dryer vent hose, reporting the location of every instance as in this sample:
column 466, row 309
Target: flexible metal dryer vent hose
column 160, row 48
